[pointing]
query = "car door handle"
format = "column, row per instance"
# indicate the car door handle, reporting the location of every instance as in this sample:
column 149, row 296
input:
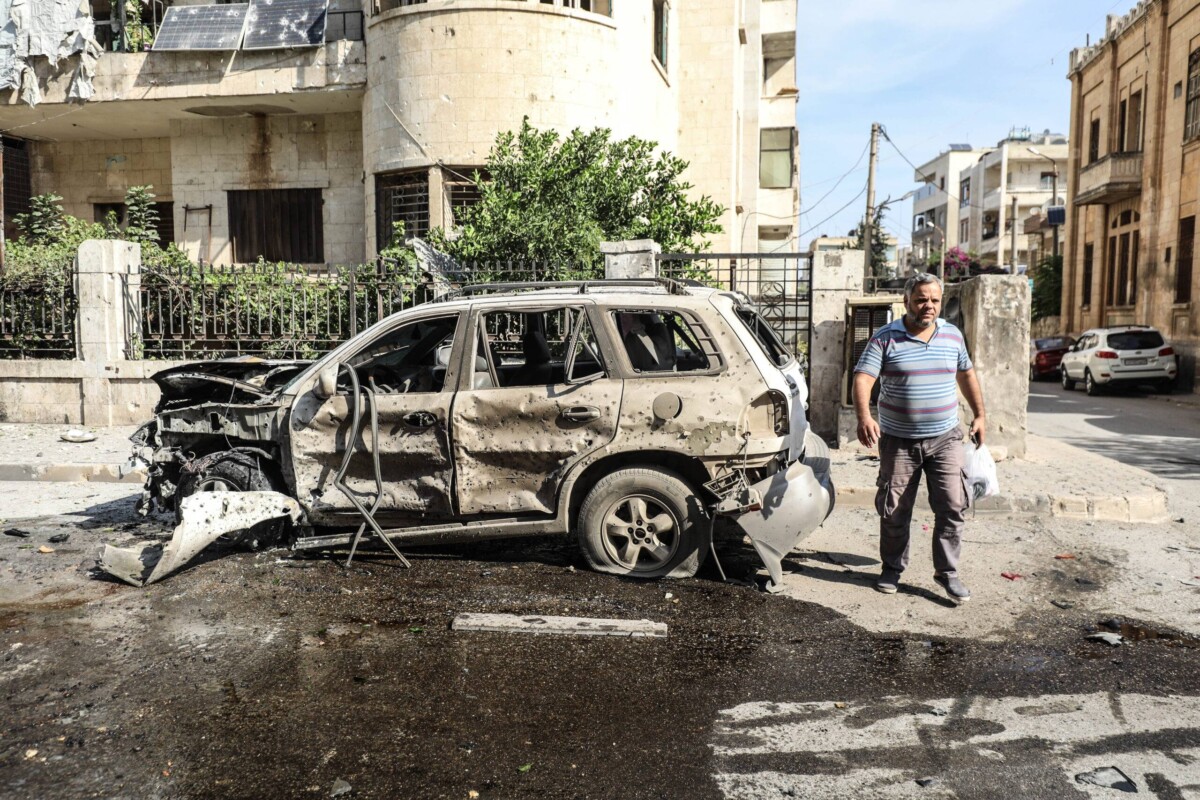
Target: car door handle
column 419, row 419
column 580, row 413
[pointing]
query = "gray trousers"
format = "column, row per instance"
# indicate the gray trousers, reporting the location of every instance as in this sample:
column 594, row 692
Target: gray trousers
column 901, row 462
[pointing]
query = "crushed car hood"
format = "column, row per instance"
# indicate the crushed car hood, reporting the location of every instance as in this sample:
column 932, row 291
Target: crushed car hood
column 241, row 379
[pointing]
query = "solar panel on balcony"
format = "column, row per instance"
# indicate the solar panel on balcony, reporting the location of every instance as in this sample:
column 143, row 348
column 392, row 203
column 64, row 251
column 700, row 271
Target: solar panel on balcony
column 280, row 24
column 202, row 27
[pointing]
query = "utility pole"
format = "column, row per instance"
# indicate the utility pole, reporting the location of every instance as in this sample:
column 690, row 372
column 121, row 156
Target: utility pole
column 869, row 219
column 1054, row 202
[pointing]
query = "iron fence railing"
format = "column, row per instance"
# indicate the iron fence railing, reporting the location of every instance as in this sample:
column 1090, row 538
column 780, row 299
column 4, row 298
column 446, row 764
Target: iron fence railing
column 38, row 322
column 779, row 284
column 269, row 310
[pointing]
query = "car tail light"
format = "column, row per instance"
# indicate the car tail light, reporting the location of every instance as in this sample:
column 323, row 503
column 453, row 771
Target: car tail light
column 1042, row 358
column 1106, row 354
column 1167, row 351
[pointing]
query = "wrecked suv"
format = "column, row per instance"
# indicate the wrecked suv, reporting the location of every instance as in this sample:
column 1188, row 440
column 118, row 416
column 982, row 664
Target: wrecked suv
column 629, row 412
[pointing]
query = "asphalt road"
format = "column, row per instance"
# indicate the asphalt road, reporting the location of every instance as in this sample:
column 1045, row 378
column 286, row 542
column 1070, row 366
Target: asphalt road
column 259, row 675
column 1160, row 434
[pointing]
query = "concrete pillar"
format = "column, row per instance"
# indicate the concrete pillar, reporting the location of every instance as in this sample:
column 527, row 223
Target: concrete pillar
column 836, row 277
column 107, row 283
column 630, row 259
column 993, row 313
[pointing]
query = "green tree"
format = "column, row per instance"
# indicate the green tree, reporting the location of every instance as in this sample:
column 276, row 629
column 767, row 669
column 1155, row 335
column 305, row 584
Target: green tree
column 1046, row 298
column 553, row 198
column 879, row 243
column 141, row 217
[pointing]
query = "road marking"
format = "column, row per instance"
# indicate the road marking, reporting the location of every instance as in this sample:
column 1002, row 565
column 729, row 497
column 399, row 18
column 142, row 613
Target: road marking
column 879, row 748
column 576, row 626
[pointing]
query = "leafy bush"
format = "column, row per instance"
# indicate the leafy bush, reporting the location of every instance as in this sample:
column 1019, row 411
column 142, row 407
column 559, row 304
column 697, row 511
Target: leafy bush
column 1047, row 288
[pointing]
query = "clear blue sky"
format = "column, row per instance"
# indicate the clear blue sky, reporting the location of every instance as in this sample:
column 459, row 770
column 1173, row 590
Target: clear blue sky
column 932, row 72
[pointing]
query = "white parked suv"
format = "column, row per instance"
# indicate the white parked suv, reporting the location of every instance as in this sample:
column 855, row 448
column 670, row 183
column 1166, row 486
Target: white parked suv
column 1124, row 356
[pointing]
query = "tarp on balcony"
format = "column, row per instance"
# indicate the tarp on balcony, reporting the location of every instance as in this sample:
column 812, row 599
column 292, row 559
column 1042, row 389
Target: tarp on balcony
column 51, row 29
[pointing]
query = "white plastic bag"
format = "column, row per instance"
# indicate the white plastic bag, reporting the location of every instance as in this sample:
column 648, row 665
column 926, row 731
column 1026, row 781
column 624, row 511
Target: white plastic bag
column 981, row 471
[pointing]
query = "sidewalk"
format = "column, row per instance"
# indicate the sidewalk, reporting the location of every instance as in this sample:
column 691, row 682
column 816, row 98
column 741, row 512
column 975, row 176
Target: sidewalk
column 1053, row 478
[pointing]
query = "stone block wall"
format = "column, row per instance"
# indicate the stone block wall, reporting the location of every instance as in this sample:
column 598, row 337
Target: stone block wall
column 100, row 171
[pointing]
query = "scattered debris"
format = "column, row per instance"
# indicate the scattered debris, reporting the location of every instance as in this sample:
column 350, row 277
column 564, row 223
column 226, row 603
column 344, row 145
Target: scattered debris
column 580, row 626
column 1195, row 582
column 59, row 538
column 524, row 768
column 1108, row 778
column 30, row 753
column 1065, row 556
column 44, row 549
column 839, row 705
column 1113, row 639
column 78, row 436
column 472, row 795
column 340, row 787
column 1012, row 576
column 17, row 532
column 207, row 516
column 926, row 783
column 1063, row 604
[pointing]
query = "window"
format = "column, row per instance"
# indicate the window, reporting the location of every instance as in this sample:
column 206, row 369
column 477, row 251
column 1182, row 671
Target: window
column 1110, row 270
column 660, row 32
column 276, row 225
column 964, row 191
column 766, row 337
column 595, row 6
column 1191, row 116
column 1183, row 264
column 1123, row 269
column 775, row 157
column 777, row 75
column 664, row 341
column 1133, row 134
column 166, row 218
column 461, row 189
column 409, row 360
column 1134, row 246
column 964, row 232
column 942, row 183
column 1047, row 183
column 530, row 348
column 18, row 183
column 1089, row 255
column 1094, row 142
column 401, row 198
column 1135, row 340
column 1122, row 118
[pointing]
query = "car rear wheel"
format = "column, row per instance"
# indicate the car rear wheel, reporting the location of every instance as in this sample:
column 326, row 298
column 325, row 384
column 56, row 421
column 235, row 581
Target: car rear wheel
column 1033, row 376
column 234, row 472
column 1067, row 383
column 643, row 522
column 1089, row 384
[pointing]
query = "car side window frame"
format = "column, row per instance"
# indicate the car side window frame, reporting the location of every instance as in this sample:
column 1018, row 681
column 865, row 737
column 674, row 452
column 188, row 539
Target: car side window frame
column 717, row 362
column 451, row 378
column 585, row 308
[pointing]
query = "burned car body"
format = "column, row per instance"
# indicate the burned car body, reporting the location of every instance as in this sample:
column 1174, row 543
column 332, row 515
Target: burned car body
column 627, row 411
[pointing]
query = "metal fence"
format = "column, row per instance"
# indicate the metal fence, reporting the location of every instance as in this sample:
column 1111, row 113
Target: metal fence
column 38, row 322
column 779, row 284
column 268, row 310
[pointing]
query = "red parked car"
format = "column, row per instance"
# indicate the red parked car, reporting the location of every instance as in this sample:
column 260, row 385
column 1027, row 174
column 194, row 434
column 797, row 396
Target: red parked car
column 1046, row 354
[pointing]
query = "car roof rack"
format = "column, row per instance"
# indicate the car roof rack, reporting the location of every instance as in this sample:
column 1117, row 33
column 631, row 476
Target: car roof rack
column 672, row 286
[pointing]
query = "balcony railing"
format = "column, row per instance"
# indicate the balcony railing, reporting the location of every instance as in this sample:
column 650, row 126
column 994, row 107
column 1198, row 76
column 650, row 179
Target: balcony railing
column 1113, row 178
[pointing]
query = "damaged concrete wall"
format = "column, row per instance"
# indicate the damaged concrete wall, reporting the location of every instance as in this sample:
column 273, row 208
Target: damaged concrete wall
column 993, row 312
column 51, row 30
column 209, row 157
column 101, row 171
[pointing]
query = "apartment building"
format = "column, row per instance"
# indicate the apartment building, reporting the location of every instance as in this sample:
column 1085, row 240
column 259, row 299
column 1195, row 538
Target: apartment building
column 1002, row 188
column 1135, row 176
column 936, row 206
column 309, row 149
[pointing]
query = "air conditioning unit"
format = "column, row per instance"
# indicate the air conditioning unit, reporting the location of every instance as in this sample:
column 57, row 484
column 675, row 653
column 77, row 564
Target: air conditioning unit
column 864, row 316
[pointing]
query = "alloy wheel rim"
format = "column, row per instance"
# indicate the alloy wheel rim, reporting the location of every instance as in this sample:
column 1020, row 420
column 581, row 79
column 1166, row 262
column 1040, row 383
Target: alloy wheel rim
column 640, row 533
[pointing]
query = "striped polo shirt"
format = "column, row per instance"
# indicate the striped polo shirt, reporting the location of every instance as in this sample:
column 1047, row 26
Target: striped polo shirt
column 918, row 390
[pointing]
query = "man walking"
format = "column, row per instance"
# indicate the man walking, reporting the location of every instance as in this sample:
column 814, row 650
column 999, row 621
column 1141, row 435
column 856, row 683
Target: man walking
column 919, row 360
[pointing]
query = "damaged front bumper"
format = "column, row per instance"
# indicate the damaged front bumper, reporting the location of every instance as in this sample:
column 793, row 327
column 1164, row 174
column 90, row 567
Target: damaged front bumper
column 779, row 512
column 207, row 516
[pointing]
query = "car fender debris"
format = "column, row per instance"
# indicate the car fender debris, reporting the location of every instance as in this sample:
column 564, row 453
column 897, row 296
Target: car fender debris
column 19, row 533
column 1065, row 557
column 340, row 787
column 1112, row 639
column 573, row 626
column 207, row 516
column 1012, row 576
column 1108, row 778
column 78, row 436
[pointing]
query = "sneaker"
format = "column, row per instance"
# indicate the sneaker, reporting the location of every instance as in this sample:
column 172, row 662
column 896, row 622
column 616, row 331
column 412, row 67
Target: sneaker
column 954, row 587
column 888, row 581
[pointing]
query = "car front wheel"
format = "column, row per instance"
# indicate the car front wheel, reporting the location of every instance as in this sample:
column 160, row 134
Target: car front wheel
column 234, row 471
column 643, row 522
column 1089, row 384
column 1067, row 383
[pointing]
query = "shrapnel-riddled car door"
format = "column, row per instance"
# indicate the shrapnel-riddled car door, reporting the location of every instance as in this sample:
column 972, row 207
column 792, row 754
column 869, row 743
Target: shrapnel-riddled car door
column 410, row 372
column 541, row 399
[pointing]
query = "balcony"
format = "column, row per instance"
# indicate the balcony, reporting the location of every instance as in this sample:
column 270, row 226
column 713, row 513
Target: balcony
column 1113, row 178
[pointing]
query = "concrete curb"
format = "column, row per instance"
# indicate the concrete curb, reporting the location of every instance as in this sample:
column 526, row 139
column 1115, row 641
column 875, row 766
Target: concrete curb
column 73, row 473
column 1149, row 506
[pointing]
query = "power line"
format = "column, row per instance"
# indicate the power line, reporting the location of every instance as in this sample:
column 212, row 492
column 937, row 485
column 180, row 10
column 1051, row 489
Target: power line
column 853, row 200
column 917, row 169
column 839, row 181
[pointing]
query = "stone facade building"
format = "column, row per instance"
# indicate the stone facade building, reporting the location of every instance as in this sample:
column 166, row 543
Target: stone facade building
column 1135, row 177
column 309, row 155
